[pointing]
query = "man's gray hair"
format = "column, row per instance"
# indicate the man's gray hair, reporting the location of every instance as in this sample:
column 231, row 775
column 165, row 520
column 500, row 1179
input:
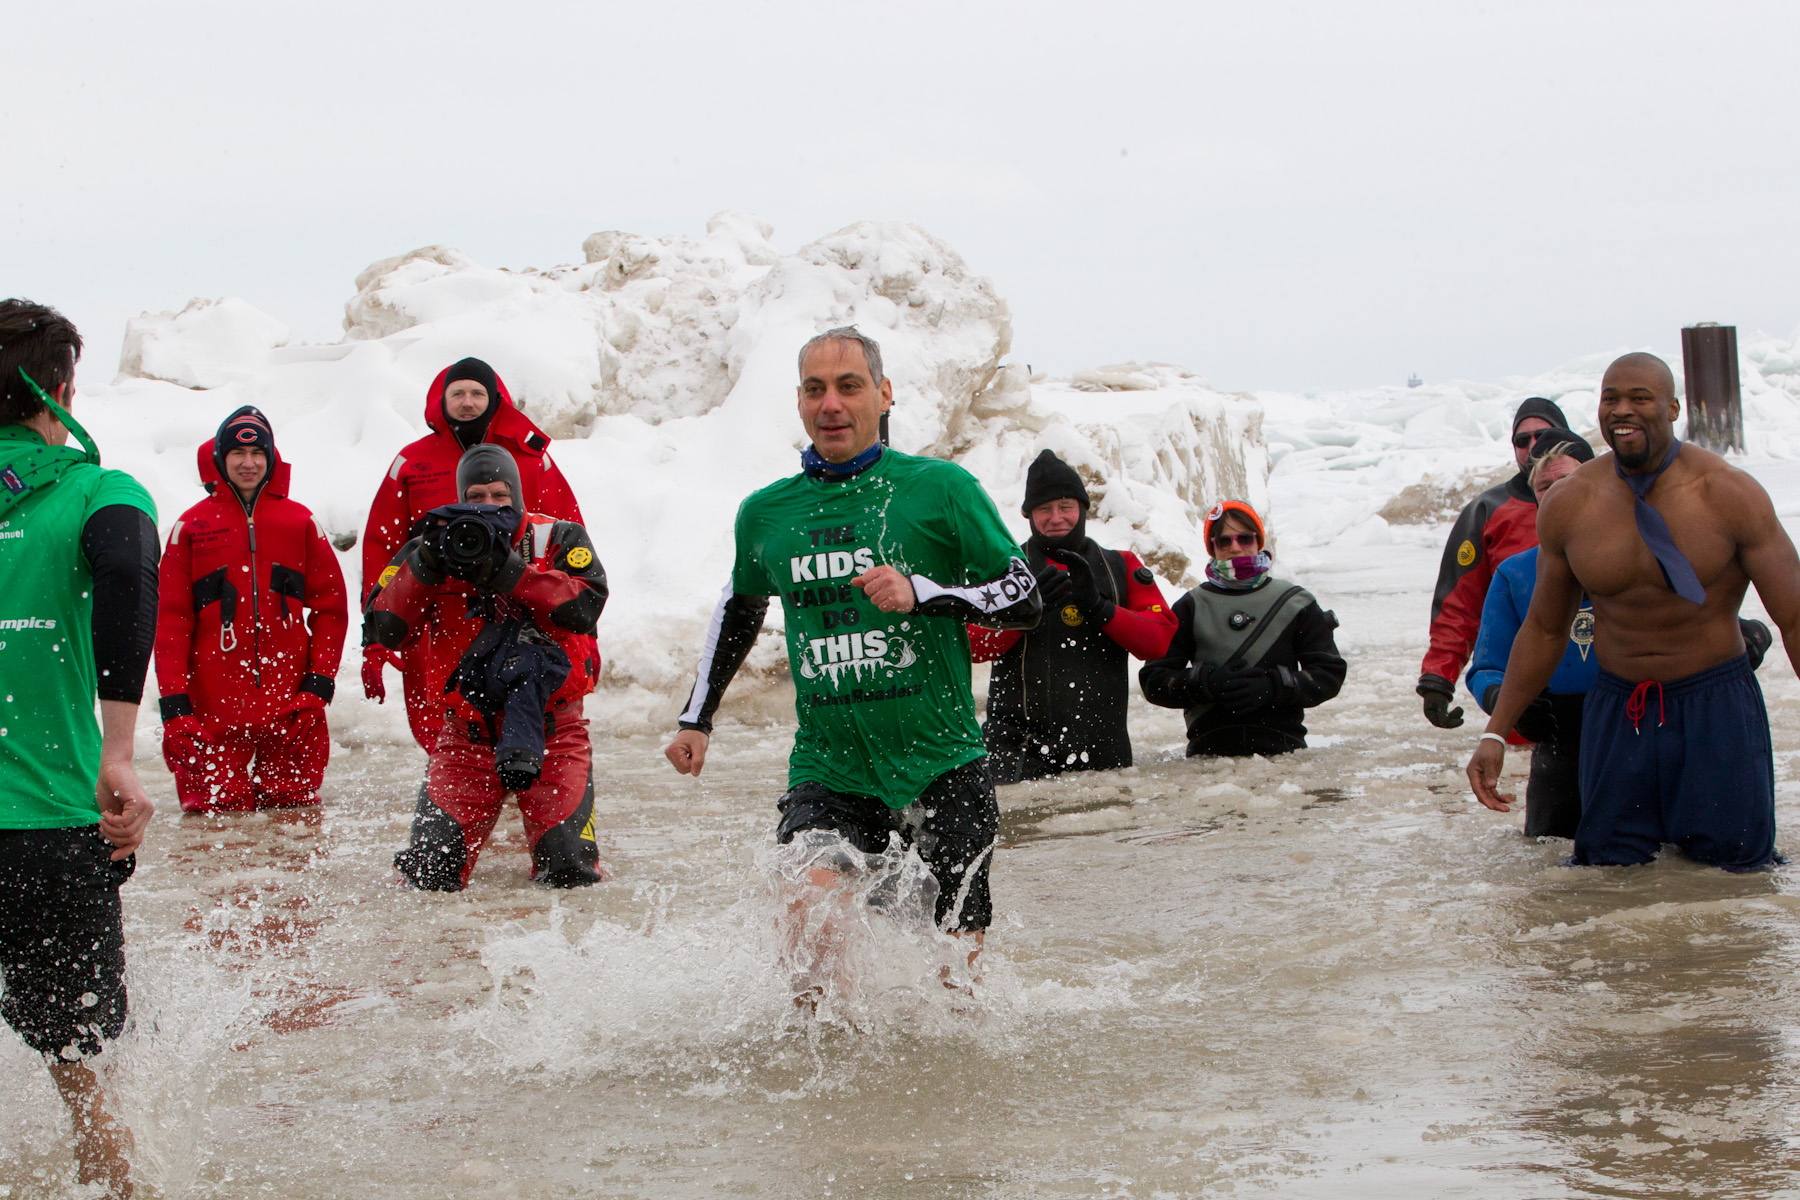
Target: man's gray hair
column 848, row 333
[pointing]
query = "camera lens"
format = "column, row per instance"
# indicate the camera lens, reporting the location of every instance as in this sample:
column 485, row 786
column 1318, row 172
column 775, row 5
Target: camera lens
column 467, row 541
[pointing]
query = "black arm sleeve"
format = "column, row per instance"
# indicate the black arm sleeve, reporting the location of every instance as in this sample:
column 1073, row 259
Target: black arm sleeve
column 1164, row 682
column 735, row 623
column 1322, row 668
column 1009, row 602
column 581, row 613
column 122, row 550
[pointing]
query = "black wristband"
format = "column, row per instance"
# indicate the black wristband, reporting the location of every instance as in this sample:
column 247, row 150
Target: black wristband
column 322, row 686
column 1429, row 684
column 175, row 706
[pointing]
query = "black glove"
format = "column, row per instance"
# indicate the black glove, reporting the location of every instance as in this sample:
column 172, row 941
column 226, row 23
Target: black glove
column 1053, row 586
column 501, row 571
column 1084, row 593
column 519, row 770
column 1438, row 692
column 1203, row 679
column 1538, row 722
column 1757, row 640
column 1247, row 691
column 426, row 561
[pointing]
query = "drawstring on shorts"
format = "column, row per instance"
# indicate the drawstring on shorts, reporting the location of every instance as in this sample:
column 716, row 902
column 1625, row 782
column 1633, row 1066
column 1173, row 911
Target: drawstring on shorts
column 1634, row 707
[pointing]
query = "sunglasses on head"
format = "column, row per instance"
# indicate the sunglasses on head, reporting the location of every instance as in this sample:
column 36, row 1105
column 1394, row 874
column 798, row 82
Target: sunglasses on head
column 1247, row 540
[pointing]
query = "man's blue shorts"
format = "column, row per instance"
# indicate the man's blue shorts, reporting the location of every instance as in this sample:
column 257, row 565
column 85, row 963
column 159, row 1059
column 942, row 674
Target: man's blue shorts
column 1687, row 763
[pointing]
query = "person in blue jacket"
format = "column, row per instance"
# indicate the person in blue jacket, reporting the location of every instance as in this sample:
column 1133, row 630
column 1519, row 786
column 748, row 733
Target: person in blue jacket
column 1553, row 721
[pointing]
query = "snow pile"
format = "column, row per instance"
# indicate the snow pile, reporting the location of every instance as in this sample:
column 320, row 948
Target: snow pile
column 666, row 369
column 208, row 344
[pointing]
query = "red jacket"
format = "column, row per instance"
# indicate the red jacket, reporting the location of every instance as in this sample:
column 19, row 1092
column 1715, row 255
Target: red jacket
column 1496, row 525
column 232, row 634
column 1143, row 624
column 563, row 590
column 423, row 477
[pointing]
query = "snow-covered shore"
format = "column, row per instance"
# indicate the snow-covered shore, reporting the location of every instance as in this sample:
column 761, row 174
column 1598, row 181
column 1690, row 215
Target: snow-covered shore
column 665, row 367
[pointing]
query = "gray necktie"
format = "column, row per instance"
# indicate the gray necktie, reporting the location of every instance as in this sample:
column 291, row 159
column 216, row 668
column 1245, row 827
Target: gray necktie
column 1655, row 531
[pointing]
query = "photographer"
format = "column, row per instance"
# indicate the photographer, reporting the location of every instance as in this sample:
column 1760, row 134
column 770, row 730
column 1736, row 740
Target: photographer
column 466, row 405
column 505, row 603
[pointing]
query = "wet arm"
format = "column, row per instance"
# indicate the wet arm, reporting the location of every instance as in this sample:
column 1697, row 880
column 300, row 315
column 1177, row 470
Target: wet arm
column 570, row 597
column 1322, row 669
column 736, row 621
column 1143, row 624
column 1461, row 588
column 1543, row 636
column 1164, row 681
column 1768, row 557
column 395, row 611
column 175, row 625
column 120, row 545
column 1499, row 626
column 385, row 530
column 986, row 645
column 328, row 619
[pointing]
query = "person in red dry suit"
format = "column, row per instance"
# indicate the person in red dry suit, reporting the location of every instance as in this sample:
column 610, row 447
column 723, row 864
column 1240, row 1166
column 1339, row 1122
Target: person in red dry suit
column 245, row 672
column 1492, row 528
column 466, row 405
column 509, row 625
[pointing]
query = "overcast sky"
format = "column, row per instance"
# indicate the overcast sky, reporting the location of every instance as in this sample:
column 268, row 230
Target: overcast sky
column 1275, row 195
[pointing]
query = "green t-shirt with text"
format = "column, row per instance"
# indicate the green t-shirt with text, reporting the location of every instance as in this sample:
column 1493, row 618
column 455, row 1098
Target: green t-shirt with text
column 883, row 699
column 49, row 736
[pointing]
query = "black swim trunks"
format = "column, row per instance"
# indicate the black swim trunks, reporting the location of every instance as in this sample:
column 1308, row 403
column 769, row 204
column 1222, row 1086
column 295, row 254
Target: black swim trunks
column 953, row 827
column 62, row 939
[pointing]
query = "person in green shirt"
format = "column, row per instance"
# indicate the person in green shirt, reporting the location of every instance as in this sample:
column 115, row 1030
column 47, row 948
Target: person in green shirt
column 879, row 558
column 78, row 554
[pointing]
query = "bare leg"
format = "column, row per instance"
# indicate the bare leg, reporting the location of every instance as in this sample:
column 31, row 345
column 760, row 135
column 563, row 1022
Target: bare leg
column 102, row 1142
column 977, row 939
column 816, row 951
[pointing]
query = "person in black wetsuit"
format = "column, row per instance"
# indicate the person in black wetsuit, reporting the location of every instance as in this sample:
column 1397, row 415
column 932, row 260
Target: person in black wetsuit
column 1251, row 653
column 1057, row 697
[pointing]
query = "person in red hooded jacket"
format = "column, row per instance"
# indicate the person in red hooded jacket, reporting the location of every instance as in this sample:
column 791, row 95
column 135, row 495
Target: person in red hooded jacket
column 466, row 405
column 518, row 615
column 245, row 672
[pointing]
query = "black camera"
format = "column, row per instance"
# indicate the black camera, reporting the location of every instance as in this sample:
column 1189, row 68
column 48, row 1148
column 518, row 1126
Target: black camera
column 466, row 543
column 470, row 542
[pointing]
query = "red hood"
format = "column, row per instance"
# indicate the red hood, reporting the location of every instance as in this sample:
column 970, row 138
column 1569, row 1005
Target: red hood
column 277, row 484
column 508, row 425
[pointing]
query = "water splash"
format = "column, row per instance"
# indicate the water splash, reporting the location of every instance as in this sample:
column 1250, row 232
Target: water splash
column 712, row 994
column 190, row 1010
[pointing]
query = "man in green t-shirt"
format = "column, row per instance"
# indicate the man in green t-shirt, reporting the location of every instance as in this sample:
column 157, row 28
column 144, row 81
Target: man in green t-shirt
column 879, row 558
column 78, row 557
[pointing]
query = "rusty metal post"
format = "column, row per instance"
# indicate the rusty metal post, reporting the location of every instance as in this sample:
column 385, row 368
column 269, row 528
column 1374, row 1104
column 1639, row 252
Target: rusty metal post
column 1715, row 411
